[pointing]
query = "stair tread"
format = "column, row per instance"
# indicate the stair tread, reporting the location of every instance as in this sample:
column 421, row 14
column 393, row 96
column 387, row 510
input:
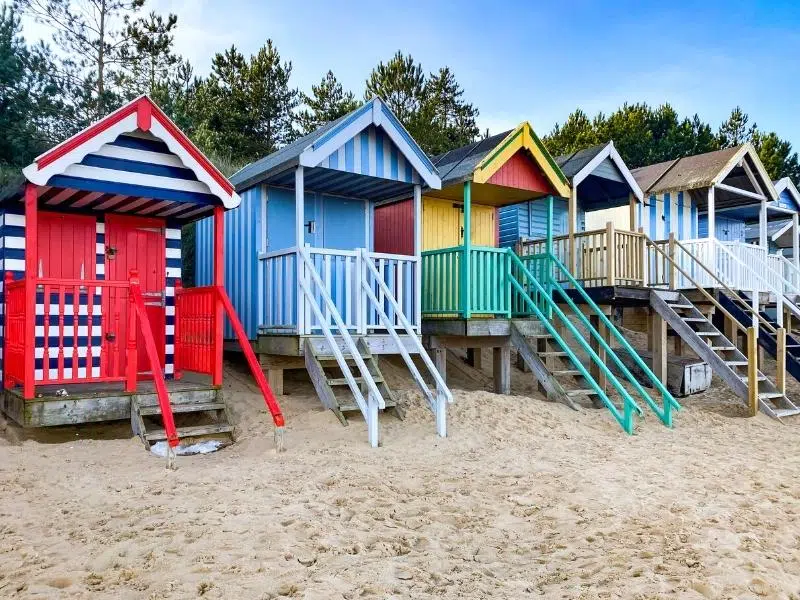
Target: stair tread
column 194, row 431
column 671, row 305
column 343, row 381
column 352, row 407
column 723, row 347
column 745, row 377
column 708, row 333
column 770, row 395
column 736, row 363
column 182, row 408
column 582, row 392
column 567, row 372
column 786, row 412
column 552, row 353
column 695, row 319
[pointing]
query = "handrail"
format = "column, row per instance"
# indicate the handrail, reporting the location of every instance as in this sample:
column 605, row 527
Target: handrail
column 625, row 420
column 168, row 419
column 255, row 367
column 663, row 413
column 441, row 387
column 778, row 294
column 368, row 408
column 792, row 267
column 700, row 288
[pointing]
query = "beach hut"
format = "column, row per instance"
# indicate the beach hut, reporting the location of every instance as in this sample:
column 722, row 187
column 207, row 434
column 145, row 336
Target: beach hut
column 96, row 325
column 476, row 295
column 303, row 270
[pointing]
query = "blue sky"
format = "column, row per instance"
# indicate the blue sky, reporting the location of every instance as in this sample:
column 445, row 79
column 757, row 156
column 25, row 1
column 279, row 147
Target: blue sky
column 532, row 60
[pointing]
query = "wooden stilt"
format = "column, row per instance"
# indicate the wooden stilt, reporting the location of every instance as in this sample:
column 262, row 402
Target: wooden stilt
column 780, row 377
column 752, row 371
column 658, row 332
column 594, row 368
column 502, row 370
column 678, row 345
column 475, row 358
column 439, row 356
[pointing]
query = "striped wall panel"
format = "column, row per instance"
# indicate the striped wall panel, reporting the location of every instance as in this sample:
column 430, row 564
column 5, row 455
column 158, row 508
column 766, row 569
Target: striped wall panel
column 661, row 214
column 242, row 245
column 372, row 152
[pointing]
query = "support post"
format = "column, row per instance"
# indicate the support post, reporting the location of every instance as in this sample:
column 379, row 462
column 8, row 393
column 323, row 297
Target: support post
column 549, row 250
column 632, row 215
column 762, row 223
column 752, row 371
column 611, row 254
column 780, row 358
column 177, row 360
column 658, row 329
column 475, row 358
column 439, row 356
column 573, row 227
column 131, row 351
column 645, row 262
column 711, row 217
column 299, row 238
column 31, row 261
column 594, row 369
column 219, row 284
column 418, row 254
column 671, row 266
column 502, row 369
column 465, row 263
column 731, row 332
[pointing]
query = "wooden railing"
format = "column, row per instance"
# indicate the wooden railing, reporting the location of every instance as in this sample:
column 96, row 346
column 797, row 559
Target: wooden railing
column 341, row 273
column 445, row 288
column 15, row 347
column 603, row 257
column 194, row 329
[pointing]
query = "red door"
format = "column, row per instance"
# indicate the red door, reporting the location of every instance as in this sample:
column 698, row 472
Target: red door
column 138, row 243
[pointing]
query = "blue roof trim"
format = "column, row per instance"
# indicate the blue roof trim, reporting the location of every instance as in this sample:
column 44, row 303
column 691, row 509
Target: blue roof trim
column 134, row 166
column 407, row 137
column 129, row 189
column 342, row 124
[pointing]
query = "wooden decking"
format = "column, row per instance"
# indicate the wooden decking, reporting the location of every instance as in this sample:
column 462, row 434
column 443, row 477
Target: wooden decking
column 90, row 402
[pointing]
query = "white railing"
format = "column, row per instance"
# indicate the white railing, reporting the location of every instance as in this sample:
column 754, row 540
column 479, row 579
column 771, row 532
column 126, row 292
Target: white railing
column 789, row 270
column 396, row 315
column 340, row 273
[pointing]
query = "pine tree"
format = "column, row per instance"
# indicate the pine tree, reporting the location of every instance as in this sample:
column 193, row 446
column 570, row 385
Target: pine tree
column 734, row 130
column 328, row 101
column 149, row 57
column 400, row 83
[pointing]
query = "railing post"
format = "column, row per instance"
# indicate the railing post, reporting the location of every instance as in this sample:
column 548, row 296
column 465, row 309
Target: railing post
column 611, row 254
column 131, row 351
column 752, row 370
column 672, row 272
column 643, row 256
column 780, row 356
column 362, row 306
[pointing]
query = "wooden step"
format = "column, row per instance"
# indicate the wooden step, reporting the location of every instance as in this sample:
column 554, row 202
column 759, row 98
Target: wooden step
column 354, row 407
column 186, row 432
column 343, row 380
column 674, row 306
column 567, row 372
column 708, row 333
column 770, row 395
column 695, row 319
column 586, row 392
column 736, row 363
column 146, row 411
column 554, row 353
column 786, row 412
column 759, row 377
column 722, row 348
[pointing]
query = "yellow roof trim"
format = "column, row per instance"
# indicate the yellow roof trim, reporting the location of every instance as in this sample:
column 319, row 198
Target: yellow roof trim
column 522, row 137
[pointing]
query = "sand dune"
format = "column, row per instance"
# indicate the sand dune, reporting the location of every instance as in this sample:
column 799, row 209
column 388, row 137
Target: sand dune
column 524, row 499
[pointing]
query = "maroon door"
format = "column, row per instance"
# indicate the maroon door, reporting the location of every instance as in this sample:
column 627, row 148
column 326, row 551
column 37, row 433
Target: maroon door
column 139, row 243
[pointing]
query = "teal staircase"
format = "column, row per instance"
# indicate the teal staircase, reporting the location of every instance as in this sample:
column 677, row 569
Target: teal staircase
column 537, row 292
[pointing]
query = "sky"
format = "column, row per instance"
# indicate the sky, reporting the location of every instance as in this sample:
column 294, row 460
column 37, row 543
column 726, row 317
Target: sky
column 531, row 60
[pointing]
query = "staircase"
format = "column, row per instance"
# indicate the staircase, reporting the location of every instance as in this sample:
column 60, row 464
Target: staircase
column 562, row 373
column 722, row 355
column 767, row 338
column 198, row 414
column 330, row 383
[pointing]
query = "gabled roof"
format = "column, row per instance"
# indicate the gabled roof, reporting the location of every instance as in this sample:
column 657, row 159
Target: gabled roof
column 776, row 231
column 138, row 149
column 313, row 149
column 458, row 165
column 699, row 171
column 580, row 164
column 787, row 185
column 523, row 137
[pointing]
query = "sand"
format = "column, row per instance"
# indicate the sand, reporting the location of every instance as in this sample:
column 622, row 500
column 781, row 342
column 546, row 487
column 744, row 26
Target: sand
column 524, row 499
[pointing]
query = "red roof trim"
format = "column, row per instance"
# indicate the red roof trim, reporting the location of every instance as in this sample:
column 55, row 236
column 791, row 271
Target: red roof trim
column 145, row 110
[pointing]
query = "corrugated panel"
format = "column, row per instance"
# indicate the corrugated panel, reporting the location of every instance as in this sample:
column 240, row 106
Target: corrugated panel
column 242, row 239
column 372, row 152
column 521, row 172
column 394, row 228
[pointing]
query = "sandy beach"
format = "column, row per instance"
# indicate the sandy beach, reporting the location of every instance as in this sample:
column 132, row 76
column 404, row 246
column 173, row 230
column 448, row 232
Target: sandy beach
column 525, row 498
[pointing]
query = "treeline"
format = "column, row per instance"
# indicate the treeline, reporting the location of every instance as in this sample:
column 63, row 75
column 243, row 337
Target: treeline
column 644, row 135
column 111, row 51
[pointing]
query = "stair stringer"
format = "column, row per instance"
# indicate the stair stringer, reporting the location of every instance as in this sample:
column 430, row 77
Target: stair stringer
column 553, row 389
column 704, row 351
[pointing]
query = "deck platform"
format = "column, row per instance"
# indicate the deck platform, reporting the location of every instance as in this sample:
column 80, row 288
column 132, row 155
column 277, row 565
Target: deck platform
column 93, row 402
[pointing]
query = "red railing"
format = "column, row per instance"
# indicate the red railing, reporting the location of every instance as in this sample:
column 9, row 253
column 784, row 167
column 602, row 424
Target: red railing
column 15, row 347
column 194, row 329
column 138, row 310
column 82, row 323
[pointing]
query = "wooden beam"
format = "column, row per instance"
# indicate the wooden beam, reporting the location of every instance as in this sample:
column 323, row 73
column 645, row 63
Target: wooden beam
column 632, row 215
column 739, row 191
column 418, row 254
column 752, row 371
column 502, row 370
column 611, row 254
column 594, row 369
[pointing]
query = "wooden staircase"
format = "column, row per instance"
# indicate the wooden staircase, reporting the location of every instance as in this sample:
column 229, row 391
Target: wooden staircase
column 722, row 355
column 199, row 415
column 332, row 387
